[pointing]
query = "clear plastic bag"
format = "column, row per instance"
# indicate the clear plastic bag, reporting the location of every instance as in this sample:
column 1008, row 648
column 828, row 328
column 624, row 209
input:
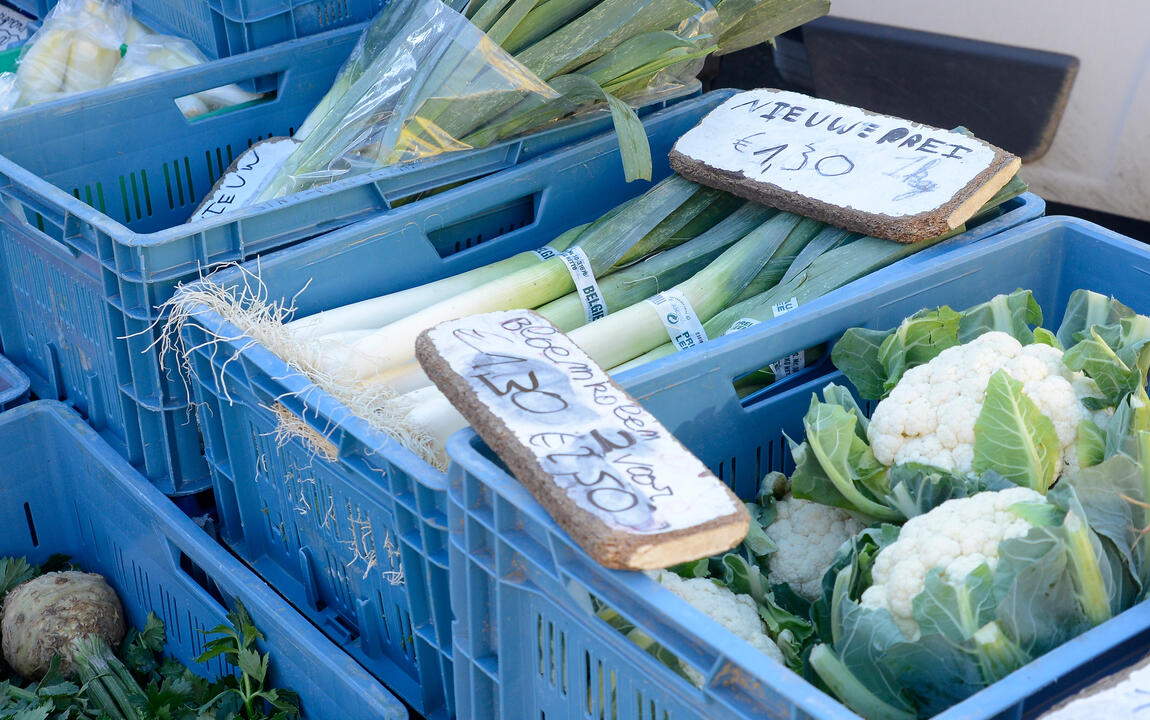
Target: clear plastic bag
column 426, row 79
column 702, row 31
column 76, row 49
column 9, row 94
column 419, row 82
column 90, row 44
column 149, row 54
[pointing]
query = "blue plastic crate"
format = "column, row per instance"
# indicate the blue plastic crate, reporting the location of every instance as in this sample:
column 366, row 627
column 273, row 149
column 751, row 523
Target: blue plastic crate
column 524, row 647
column 58, row 482
column 13, row 385
column 258, row 484
column 276, row 503
column 35, row 8
column 228, row 27
column 92, row 193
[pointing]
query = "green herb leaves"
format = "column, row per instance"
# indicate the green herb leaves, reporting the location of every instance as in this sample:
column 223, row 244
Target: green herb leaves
column 139, row 683
column 237, row 644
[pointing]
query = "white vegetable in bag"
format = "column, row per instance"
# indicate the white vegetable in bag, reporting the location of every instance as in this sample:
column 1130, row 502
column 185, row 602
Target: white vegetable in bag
column 151, row 54
column 89, row 44
column 9, row 94
column 76, row 49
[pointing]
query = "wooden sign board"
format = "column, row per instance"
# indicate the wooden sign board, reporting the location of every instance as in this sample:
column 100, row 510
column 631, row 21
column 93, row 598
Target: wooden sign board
column 870, row 173
column 605, row 469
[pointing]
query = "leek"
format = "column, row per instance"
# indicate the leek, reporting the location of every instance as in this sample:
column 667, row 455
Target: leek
column 604, row 244
column 642, row 280
column 829, row 271
column 419, row 83
column 622, row 336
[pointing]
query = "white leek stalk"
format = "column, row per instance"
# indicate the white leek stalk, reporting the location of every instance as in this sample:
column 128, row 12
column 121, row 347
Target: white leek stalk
column 377, row 312
column 394, row 344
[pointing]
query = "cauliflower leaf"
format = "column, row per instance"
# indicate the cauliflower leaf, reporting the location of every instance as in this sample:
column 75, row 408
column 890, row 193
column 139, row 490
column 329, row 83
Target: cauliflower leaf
column 874, row 361
column 977, row 618
column 1013, row 438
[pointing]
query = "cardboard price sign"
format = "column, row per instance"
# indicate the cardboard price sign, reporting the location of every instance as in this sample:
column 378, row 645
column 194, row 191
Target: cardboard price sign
column 247, row 177
column 874, row 174
column 608, row 472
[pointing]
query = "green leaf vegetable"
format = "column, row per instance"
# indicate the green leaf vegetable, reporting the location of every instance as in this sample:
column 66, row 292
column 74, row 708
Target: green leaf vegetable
column 970, row 399
column 912, row 628
column 138, row 682
column 966, row 575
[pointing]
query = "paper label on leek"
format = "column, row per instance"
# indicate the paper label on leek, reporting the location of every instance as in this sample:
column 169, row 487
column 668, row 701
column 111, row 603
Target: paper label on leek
column 546, row 252
column 679, row 318
column 586, row 288
column 785, row 306
column 788, row 366
column 794, row 362
column 741, row 324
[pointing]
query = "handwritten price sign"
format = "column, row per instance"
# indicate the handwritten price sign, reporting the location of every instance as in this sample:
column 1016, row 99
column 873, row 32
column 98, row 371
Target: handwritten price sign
column 873, row 173
column 13, row 28
column 604, row 467
column 245, row 179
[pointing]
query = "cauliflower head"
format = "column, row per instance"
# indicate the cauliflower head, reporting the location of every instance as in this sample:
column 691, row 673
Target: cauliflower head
column 735, row 612
column 930, row 414
column 807, row 535
column 956, row 537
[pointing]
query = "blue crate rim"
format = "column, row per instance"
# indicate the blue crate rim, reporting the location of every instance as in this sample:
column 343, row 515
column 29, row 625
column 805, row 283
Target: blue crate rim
column 195, row 543
column 211, row 75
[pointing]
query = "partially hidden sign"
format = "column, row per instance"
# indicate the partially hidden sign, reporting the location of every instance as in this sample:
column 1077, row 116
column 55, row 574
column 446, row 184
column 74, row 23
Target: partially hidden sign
column 605, row 469
column 245, row 179
column 13, row 28
column 875, row 174
column 1124, row 694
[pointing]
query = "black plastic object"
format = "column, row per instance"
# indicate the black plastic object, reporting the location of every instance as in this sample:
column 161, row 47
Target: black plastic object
column 1010, row 96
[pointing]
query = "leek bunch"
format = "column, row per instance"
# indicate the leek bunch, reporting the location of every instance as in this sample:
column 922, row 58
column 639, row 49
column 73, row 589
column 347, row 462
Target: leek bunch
column 425, row 79
column 730, row 259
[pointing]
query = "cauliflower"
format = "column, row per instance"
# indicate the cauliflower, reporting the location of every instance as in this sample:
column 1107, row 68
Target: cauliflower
column 957, row 537
column 736, row 613
column 807, row 535
column 930, row 414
